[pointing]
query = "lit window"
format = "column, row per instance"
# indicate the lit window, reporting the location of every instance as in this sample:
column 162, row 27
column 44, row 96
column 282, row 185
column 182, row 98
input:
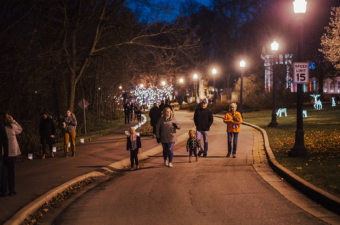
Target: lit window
column 332, row 86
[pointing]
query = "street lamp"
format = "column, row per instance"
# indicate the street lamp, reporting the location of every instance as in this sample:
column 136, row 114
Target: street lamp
column 299, row 146
column 179, row 92
column 273, row 123
column 163, row 83
column 214, row 71
column 242, row 65
column 195, row 87
column 141, row 85
column 120, row 87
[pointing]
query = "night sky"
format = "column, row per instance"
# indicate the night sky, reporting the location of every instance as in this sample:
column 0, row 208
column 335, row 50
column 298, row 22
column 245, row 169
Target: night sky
column 151, row 14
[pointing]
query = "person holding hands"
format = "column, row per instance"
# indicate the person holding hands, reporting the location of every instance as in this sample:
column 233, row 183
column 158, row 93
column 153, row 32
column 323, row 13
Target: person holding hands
column 233, row 119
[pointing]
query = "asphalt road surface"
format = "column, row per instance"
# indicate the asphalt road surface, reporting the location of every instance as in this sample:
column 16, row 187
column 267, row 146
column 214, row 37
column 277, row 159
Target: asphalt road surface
column 215, row 190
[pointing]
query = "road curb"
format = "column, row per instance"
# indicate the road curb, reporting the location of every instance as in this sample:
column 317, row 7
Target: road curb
column 327, row 200
column 318, row 195
column 29, row 209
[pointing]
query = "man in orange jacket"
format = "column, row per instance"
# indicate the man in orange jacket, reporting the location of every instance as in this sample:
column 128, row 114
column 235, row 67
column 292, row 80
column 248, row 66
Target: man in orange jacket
column 233, row 119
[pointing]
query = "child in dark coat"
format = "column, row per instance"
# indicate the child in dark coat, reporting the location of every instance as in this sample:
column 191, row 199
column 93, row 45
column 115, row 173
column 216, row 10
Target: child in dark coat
column 133, row 144
column 192, row 145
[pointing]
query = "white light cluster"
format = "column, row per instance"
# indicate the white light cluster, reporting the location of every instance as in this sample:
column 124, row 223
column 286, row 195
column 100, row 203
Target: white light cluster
column 152, row 94
column 333, row 102
column 317, row 102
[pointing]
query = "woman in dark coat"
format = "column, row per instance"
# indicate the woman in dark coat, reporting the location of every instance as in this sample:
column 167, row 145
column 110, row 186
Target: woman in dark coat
column 154, row 114
column 47, row 133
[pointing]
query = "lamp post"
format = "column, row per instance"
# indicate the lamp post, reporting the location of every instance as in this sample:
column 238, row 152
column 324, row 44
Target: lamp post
column 195, row 87
column 273, row 123
column 179, row 91
column 214, row 71
column 242, row 65
column 299, row 146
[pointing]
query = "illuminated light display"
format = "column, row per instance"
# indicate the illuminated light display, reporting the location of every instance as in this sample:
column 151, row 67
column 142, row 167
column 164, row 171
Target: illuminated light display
column 333, row 102
column 280, row 111
column 152, row 94
column 304, row 113
column 317, row 103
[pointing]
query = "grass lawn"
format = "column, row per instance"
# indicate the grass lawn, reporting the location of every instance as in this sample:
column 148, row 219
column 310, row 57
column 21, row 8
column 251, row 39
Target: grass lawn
column 322, row 139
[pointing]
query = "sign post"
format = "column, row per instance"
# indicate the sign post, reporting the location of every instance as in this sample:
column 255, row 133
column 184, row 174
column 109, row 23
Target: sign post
column 84, row 104
column 301, row 73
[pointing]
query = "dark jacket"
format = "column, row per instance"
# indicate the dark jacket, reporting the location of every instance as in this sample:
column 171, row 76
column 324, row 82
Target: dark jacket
column 154, row 114
column 127, row 108
column 46, row 129
column 203, row 119
column 128, row 143
column 193, row 143
column 71, row 123
column 3, row 142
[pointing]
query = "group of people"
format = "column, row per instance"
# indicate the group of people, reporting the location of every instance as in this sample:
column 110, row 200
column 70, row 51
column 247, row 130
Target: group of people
column 164, row 129
column 9, row 129
column 132, row 111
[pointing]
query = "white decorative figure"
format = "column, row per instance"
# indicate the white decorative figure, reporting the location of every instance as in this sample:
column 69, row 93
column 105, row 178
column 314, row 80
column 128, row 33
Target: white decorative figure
column 333, row 101
column 317, row 103
column 304, row 113
column 280, row 111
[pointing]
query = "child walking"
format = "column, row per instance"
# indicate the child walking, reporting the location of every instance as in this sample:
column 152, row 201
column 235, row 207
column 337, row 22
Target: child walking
column 133, row 144
column 192, row 145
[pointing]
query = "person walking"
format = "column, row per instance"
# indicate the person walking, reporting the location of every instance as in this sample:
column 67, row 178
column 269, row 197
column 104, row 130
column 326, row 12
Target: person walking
column 203, row 119
column 154, row 114
column 133, row 144
column 233, row 119
column 47, row 133
column 12, row 130
column 166, row 134
column 192, row 145
column 3, row 155
column 70, row 126
column 127, row 112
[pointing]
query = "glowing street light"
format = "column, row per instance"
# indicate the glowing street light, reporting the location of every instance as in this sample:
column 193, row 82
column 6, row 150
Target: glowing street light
column 163, row 83
column 299, row 146
column 274, row 46
column 300, row 6
column 120, row 87
column 273, row 123
column 181, row 80
column 141, row 85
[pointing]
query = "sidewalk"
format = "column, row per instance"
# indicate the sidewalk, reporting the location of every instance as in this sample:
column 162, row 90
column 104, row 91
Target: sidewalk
column 37, row 177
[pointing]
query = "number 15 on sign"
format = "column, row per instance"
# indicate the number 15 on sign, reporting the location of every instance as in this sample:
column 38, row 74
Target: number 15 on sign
column 301, row 73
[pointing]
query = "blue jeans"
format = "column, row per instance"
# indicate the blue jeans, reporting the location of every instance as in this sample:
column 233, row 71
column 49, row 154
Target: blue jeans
column 168, row 151
column 199, row 135
column 230, row 137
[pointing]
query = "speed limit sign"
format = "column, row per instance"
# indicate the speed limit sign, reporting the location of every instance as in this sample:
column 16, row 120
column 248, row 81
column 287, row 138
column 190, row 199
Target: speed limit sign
column 301, row 73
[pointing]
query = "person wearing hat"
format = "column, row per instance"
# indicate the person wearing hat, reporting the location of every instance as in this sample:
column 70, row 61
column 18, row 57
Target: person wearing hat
column 203, row 119
column 233, row 119
column 192, row 145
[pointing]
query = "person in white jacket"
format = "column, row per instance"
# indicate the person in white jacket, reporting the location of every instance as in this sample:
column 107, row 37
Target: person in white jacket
column 12, row 130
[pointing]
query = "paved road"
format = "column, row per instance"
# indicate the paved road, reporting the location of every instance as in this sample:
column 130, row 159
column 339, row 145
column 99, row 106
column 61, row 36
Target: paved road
column 215, row 190
column 35, row 178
